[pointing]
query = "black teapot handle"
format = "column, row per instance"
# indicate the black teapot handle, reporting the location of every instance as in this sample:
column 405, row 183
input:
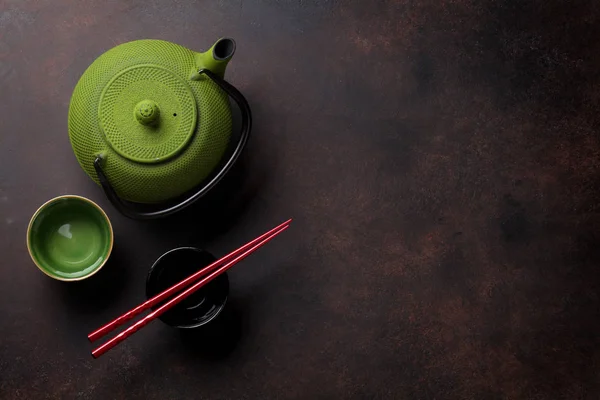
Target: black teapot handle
column 129, row 211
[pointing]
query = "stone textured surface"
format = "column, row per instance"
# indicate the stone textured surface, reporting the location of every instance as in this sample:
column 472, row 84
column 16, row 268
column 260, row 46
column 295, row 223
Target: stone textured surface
column 441, row 161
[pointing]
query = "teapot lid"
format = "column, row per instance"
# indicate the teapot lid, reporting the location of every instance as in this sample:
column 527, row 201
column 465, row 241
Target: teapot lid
column 147, row 113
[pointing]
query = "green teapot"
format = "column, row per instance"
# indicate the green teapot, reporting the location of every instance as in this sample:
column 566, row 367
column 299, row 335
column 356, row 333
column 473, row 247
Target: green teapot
column 150, row 121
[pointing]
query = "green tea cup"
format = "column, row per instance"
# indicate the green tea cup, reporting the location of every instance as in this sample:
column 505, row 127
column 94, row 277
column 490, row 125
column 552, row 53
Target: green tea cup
column 69, row 238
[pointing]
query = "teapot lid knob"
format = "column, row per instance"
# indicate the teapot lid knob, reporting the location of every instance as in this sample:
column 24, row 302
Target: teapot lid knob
column 146, row 112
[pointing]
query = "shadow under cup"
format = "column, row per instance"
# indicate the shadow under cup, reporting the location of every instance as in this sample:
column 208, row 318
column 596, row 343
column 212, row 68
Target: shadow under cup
column 200, row 307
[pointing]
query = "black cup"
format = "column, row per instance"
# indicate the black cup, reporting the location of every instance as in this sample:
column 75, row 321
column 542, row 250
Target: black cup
column 202, row 306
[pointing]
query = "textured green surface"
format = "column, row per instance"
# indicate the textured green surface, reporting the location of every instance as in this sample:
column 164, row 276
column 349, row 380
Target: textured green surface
column 175, row 109
column 149, row 164
column 69, row 238
column 146, row 112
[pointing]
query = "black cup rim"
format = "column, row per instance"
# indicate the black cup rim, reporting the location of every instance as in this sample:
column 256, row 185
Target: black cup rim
column 154, row 269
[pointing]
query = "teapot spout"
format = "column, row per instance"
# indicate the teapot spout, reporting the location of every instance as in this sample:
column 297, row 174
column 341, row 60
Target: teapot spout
column 216, row 58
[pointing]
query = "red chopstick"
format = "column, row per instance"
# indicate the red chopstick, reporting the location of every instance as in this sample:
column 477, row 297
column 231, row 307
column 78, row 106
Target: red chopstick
column 100, row 332
column 183, row 295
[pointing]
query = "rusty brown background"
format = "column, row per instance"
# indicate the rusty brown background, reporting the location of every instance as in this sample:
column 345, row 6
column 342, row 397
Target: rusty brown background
column 441, row 162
